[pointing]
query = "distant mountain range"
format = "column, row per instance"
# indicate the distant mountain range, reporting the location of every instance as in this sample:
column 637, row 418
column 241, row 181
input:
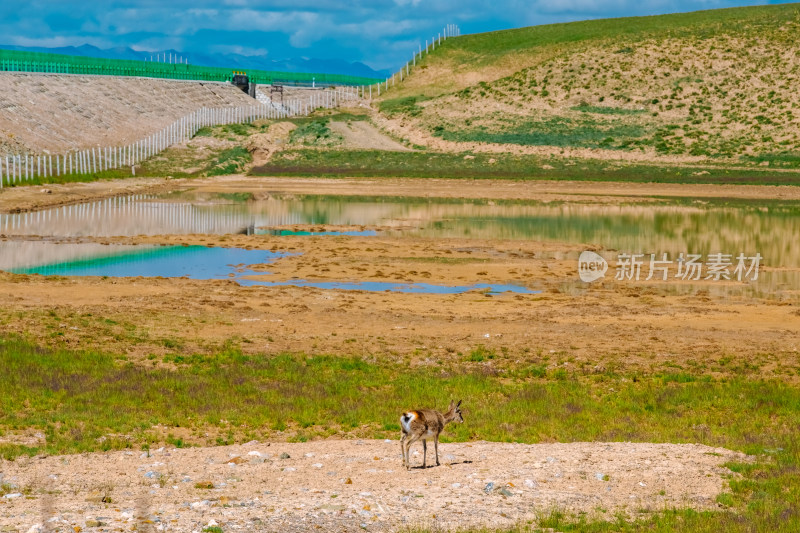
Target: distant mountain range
column 233, row 61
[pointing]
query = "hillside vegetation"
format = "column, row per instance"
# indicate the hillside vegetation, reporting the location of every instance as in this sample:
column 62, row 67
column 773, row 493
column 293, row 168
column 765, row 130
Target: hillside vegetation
column 714, row 85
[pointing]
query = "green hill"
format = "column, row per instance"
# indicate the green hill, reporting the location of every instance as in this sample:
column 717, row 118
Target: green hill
column 710, row 85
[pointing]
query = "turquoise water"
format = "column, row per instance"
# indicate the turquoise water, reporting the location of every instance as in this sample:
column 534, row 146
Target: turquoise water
column 193, row 262
column 202, row 262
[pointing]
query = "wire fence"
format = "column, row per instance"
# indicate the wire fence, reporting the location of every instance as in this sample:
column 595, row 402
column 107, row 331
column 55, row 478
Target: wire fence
column 17, row 169
column 41, row 62
column 374, row 89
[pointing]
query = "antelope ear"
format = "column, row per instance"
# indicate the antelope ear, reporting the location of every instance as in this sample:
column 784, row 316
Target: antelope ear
column 452, row 404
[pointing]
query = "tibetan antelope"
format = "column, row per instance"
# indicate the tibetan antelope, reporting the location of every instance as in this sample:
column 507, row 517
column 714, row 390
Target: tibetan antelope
column 425, row 424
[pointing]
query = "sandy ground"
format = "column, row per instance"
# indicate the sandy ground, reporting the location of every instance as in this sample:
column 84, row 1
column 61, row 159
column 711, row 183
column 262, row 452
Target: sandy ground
column 354, row 485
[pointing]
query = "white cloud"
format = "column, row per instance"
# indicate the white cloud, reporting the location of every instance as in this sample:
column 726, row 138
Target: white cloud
column 378, row 32
column 57, row 41
column 619, row 8
column 240, row 50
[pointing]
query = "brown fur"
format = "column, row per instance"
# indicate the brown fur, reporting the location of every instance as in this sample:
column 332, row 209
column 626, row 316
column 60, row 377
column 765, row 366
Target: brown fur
column 425, row 424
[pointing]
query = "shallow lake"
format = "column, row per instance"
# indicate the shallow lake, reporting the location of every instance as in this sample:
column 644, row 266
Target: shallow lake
column 671, row 226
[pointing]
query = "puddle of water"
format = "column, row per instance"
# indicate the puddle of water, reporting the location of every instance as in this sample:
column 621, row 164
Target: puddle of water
column 202, row 262
column 286, row 233
column 380, row 286
column 194, row 262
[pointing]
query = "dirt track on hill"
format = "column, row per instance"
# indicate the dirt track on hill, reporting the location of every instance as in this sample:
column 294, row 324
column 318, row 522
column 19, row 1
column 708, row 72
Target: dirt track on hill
column 363, row 135
column 355, row 485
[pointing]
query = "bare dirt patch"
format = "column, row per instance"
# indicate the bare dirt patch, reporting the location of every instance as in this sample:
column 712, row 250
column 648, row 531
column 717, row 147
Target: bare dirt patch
column 361, row 134
column 29, row 198
column 357, row 485
column 262, row 146
column 498, row 189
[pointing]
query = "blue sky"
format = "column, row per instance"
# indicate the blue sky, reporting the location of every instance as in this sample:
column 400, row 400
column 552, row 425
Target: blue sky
column 380, row 33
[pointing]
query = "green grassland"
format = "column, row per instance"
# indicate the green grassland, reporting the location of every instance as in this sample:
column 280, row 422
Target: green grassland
column 374, row 163
column 718, row 85
column 475, row 52
column 87, row 401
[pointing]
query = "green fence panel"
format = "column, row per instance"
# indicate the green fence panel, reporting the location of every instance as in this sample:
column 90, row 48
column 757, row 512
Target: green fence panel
column 13, row 60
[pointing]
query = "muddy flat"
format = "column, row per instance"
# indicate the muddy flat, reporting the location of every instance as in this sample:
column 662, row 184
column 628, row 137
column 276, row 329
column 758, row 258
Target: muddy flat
column 36, row 197
column 355, row 485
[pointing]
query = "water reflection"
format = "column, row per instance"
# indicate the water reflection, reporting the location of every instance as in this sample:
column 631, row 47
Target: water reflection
column 669, row 226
